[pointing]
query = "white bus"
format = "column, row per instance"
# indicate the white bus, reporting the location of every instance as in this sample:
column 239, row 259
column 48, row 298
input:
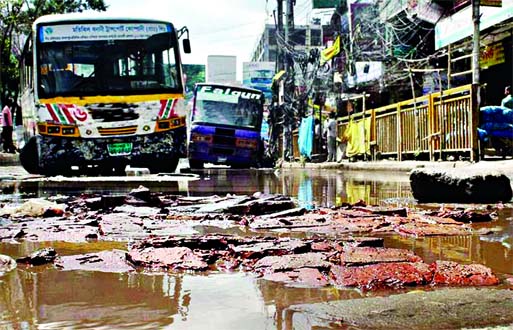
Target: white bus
column 100, row 92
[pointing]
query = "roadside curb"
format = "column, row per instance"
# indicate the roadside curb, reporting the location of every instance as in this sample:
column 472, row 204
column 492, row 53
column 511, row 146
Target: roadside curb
column 7, row 159
column 504, row 166
column 396, row 166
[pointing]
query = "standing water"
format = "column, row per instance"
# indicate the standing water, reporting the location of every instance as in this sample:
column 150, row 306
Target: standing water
column 44, row 297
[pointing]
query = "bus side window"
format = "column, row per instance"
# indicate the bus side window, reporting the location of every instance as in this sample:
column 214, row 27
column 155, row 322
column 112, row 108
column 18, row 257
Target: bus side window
column 169, row 69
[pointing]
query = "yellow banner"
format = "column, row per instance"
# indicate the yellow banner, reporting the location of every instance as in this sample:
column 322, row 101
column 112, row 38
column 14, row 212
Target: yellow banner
column 492, row 55
column 330, row 52
column 491, row 3
column 357, row 135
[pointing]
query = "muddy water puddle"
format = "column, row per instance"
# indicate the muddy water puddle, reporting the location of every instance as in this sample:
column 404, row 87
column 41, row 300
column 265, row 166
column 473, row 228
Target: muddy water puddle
column 43, row 297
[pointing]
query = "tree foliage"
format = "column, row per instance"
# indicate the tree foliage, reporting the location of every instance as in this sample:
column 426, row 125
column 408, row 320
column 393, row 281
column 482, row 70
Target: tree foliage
column 16, row 18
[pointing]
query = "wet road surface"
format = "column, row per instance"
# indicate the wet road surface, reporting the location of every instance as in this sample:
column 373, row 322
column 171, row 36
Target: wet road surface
column 43, row 297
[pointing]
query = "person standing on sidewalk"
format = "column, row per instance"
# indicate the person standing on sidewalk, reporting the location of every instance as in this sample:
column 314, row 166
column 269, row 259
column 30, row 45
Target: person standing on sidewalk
column 8, row 144
column 507, row 101
column 331, row 136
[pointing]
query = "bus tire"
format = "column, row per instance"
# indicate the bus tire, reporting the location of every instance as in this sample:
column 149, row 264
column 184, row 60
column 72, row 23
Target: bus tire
column 29, row 156
column 195, row 164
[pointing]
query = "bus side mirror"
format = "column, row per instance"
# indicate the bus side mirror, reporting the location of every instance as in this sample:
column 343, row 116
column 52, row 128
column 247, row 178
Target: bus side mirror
column 186, row 46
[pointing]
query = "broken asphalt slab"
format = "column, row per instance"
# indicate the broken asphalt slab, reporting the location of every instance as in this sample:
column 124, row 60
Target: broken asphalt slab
column 142, row 214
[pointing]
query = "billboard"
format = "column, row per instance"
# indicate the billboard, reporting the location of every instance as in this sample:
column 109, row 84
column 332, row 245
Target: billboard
column 259, row 75
column 221, row 69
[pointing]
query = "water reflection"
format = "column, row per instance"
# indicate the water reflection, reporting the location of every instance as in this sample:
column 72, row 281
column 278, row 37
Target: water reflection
column 328, row 188
column 311, row 187
column 493, row 250
column 53, row 299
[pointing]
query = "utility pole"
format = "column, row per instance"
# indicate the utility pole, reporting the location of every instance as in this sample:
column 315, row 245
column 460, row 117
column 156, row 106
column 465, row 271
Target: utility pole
column 475, row 79
column 290, row 17
column 280, row 61
column 475, row 41
column 289, row 25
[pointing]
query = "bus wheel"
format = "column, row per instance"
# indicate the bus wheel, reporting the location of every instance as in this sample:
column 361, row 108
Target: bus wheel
column 29, row 157
column 195, row 164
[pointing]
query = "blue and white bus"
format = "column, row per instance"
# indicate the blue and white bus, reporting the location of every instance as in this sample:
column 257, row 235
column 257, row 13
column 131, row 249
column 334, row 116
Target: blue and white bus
column 225, row 126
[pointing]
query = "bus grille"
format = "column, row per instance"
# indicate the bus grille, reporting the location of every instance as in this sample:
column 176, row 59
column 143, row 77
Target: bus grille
column 128, row 130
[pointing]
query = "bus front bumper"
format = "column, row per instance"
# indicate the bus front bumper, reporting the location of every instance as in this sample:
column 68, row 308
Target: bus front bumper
column 222, row 155
column 136, row 150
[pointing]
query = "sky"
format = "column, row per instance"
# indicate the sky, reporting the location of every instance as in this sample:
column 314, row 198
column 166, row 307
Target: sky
column 220, row 27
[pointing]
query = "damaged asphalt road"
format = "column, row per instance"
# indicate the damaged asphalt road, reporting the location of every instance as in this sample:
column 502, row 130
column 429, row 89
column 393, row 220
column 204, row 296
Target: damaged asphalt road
column 341, row 247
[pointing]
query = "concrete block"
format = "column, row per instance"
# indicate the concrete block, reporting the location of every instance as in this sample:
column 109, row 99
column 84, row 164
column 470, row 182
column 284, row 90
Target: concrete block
column 460, row 185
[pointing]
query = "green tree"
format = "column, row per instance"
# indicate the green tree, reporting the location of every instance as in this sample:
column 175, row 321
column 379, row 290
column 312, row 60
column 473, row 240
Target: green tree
column 195, row 74
column 16, row 18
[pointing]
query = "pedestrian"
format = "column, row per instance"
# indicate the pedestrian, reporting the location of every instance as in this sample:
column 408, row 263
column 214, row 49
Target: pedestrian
column 18, row 126
column 507, row 101
column 318, row 136
column 7, row 127
column 331, row 137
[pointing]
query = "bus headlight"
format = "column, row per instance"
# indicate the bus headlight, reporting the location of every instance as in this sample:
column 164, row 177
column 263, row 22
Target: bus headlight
column 48, row 129
column 68, row 131
column 169, row 124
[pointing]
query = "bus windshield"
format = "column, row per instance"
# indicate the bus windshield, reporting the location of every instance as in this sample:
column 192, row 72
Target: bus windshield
column 228, row 106
column 107, row 59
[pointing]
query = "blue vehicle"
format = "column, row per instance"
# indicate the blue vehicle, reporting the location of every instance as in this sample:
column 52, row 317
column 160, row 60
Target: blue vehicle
column 225, row 126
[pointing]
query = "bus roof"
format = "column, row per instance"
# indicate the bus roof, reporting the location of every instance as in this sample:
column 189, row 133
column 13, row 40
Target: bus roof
column 231, row 86
column 92, row 16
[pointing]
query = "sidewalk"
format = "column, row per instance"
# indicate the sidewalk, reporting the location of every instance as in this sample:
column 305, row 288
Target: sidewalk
column 504, row 166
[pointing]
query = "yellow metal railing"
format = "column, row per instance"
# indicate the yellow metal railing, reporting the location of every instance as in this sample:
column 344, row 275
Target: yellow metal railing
column 429, row 125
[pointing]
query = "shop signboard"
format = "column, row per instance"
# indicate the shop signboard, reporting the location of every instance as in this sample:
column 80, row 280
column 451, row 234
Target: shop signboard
column 259, row 75
column 458, row 26
column 492, row 55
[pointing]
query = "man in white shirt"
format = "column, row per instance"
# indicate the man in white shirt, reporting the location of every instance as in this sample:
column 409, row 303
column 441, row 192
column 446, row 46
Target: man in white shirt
column 331, row 136
column 507, row 101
